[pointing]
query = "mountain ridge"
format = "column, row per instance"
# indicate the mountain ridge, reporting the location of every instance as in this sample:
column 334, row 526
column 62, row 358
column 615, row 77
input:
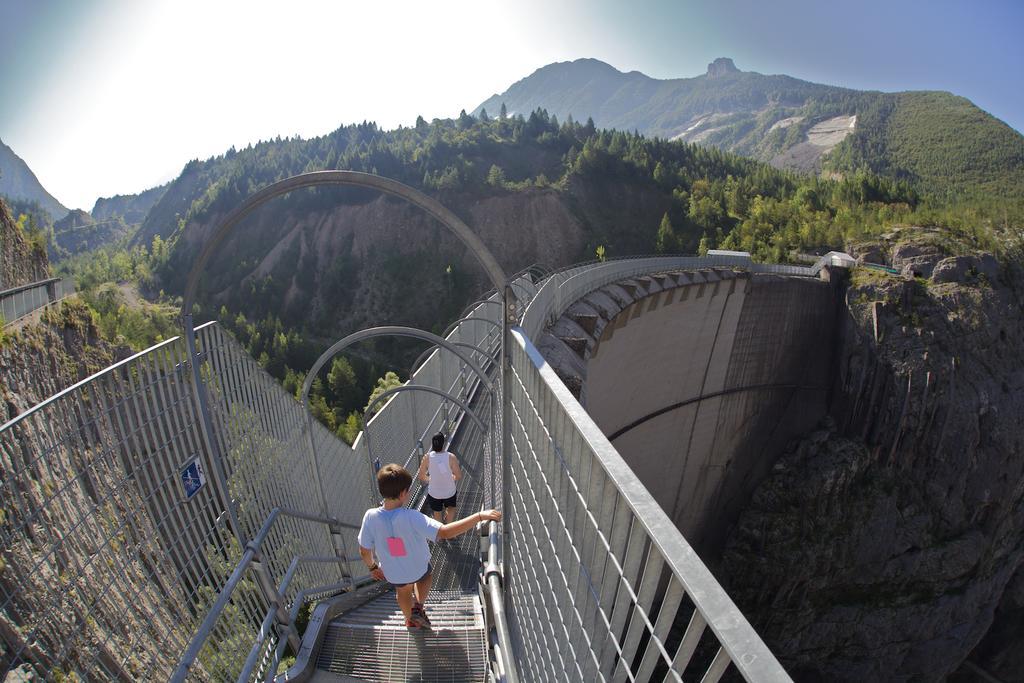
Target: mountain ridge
column 936, row 139
column 18, row 181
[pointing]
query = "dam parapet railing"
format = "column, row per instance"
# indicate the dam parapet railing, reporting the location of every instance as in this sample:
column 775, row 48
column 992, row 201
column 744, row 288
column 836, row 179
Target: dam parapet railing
column 563, row 288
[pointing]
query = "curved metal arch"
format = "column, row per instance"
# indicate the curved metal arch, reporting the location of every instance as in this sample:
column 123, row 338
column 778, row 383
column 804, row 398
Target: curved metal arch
column 354, row 178
column 387, row 331
column 362, row 335
column 429, row 350
column 367, row 180
column 448, row 330
column 431, row 390
column 485, row 301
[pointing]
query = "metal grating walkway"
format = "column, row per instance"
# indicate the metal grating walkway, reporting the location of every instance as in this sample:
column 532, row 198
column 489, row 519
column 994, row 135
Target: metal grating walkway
column 371, row 643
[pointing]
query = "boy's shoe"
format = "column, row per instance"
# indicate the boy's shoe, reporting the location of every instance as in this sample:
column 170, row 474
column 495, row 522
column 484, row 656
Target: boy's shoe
column 413, row 625
column 419, row 615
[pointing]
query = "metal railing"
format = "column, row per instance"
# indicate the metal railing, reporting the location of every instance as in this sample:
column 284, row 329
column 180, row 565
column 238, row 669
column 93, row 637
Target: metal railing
column 17, row 302
column 398, row 429
column 564, row 287
column 600, row 581
column 114, row 540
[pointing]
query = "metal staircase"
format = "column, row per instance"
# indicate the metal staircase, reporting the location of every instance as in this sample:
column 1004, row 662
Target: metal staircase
column 371, row 642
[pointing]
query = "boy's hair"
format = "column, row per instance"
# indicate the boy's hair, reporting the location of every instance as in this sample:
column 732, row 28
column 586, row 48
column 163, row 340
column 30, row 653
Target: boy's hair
column 438, row 442
column 392, row 480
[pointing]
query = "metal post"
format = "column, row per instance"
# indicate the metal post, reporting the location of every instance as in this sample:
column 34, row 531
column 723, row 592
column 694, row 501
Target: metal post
column 314, row 465
column 508, row 306
column 273, row 597
column 206, row 422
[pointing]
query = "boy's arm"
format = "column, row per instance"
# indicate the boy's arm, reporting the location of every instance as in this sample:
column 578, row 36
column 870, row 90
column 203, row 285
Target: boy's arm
column 422, row 473
column 453, row 463
column 453, row 529
column 371, row 564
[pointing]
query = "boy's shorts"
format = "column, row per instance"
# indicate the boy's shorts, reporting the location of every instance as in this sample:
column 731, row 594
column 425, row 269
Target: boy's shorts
column 437, row 504
column 425, row 575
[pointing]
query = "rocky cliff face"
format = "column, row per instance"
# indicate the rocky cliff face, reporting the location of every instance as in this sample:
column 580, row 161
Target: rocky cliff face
column 721, row 67
column 42, row 359
column 20, row 261
column 65, row 610
column 884, row 546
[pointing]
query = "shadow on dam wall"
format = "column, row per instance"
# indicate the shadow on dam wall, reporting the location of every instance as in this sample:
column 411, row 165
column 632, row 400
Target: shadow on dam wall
column 700, row 379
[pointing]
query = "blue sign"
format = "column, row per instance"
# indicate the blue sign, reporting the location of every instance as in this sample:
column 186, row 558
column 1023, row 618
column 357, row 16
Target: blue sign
column 192, row 478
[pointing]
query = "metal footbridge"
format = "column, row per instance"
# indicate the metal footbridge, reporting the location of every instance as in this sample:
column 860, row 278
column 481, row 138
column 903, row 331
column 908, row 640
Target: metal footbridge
column 179, row 516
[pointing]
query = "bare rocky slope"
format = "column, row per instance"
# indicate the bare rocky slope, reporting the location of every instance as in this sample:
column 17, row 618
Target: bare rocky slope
column 37, row 624
column 889, row 544
column 358, row 263
column 20, row 262
column 36, row 362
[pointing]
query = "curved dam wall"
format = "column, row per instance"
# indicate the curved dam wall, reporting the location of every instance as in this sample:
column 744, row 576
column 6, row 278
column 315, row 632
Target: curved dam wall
column 700, row 379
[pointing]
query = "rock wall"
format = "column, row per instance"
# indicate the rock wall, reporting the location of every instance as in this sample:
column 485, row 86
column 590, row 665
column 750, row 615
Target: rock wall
column 20, row 263
column 75, row 580
column 883, row 545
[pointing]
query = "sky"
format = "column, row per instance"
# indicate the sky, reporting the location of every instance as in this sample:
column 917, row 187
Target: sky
column 105, row 97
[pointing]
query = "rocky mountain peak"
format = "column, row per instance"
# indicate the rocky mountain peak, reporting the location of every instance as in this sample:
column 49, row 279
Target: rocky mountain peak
column 721, row 67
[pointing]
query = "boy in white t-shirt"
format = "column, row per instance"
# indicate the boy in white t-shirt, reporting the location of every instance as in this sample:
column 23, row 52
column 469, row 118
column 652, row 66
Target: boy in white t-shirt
column 398, row 537
column 440, row 469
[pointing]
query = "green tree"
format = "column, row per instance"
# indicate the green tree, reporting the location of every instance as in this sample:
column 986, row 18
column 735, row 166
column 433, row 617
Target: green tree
column 389, row 381
column 667, row 242
column 341, row 380
column 599, row 252
column 349, row 429
column 496, row 176
column 704, row 246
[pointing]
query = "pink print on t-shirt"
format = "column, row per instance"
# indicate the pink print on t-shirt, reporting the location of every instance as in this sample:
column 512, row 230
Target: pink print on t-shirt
column 396, row 546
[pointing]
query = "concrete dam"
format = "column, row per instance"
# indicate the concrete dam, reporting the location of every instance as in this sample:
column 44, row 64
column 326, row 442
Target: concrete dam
column 699, row 379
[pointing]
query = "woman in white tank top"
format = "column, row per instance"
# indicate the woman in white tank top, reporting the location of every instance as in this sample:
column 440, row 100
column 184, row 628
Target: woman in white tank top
column 440, row 469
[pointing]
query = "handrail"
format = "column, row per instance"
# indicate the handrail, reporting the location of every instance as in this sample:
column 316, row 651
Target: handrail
column 492, row 579
column 251, row 552
column 739, row 640
column 93, row 377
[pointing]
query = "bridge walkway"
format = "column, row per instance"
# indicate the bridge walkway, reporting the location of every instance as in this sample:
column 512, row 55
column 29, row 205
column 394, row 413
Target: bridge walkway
column 370, row 642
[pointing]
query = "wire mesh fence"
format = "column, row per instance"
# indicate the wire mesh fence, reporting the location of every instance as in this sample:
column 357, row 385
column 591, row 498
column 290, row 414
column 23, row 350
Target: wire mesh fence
column 114, row 540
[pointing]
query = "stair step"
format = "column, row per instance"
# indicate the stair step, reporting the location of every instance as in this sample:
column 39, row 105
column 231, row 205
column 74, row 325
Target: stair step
column 372, row 643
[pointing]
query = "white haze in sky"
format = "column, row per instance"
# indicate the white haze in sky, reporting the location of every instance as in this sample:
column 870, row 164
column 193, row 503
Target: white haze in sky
column 146, row 86
column 116, row 96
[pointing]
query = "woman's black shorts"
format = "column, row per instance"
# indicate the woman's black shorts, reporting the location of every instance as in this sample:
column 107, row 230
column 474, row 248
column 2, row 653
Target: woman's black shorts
column 438, row 504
